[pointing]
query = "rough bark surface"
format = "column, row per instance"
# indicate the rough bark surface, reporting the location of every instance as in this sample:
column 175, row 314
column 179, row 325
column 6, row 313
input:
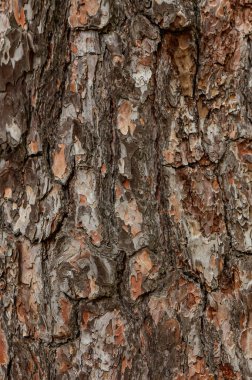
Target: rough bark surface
column 125, row 189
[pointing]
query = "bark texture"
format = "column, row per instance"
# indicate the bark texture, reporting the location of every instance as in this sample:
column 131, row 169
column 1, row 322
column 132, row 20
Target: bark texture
column 125, row 189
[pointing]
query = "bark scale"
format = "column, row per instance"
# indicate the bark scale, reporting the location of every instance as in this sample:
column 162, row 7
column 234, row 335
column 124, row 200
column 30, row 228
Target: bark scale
column 125, row 185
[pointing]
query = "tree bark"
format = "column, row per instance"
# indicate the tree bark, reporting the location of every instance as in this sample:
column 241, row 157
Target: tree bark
column 125, row 185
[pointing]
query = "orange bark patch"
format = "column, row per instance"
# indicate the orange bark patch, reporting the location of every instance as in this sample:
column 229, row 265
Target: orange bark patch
column 85, row 318
column 135, row 230
column 231, row 180
column 117, row 59
column 81, row 11
column 189, row 297
column 7, row 193
column 19, row 13
column 34, row 99
column 26, row 263
column 180, row 376
column 73, row 87
column 218, row 312
column 126, row 184
column 74, row 48
column 226, row 372
column 202, row 110
column 245, row 153
column 148, row 328
column 33, row 146
column 66, row 308
column 96, row 238
column 59, row 162
column 124, row 118
column 83, row 199
column 104, row 169
column 93, row 287
column 63, row 361
column 3, row 349
column 191, row 301
column 21, row 311
column 168, row 156
column 199, row 371
column 175, row 208
column 141, row 268
column 136, row 286
column 125, row 364
column 184, row 60
column 119, row 333
column 146, row 61
column 118, row 191
column 144, row 263
column 73, row 80
column 215, row 185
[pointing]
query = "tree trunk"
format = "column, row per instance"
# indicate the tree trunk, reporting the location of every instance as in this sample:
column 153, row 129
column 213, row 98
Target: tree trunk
column 125, row 185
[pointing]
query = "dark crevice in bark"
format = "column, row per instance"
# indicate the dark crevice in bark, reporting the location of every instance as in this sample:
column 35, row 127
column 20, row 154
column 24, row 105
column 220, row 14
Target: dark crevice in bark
column 114, row 146
column 160, row 182
column 202, row 317
column 121, row 290
column 197, row 34
column 192, row 165
column 8, row 370
column 223, row 197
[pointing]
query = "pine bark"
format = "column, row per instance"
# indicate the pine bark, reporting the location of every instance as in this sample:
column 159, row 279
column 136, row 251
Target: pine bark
column 125, row 189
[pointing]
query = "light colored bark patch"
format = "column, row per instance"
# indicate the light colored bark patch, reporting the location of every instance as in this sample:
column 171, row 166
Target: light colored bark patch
column 85, row 189
column 82, row 13
column 142, row 271
column 59, row 162
column 126, row 118
column 129, row 213
column 14, row 131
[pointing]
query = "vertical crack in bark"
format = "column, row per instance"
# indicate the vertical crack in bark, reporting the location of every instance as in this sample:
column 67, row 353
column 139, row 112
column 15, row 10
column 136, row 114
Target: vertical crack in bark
column 197, row 32
column 163, row 217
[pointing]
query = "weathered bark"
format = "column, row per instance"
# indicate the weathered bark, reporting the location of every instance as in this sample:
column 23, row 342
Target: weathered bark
column 125, row 185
